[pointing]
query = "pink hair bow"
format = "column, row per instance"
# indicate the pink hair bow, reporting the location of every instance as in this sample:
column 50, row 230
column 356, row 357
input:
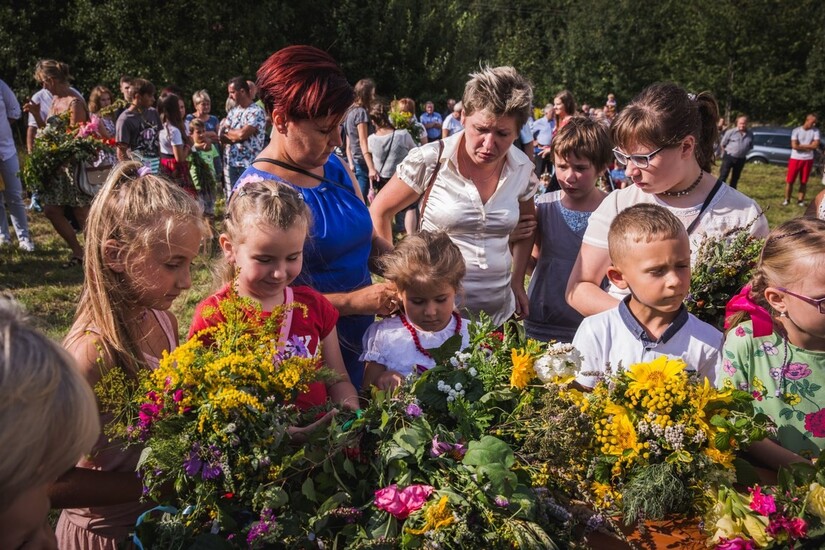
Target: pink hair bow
column 762, row 321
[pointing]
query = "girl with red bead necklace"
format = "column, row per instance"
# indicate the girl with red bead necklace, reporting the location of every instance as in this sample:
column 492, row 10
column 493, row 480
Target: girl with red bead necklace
column 427, row 268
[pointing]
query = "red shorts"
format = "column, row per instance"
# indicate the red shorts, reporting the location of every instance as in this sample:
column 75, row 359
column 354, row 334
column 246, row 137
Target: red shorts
column 800, row 167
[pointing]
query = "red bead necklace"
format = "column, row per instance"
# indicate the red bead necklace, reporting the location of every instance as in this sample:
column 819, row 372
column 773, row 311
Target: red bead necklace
column 414, row 333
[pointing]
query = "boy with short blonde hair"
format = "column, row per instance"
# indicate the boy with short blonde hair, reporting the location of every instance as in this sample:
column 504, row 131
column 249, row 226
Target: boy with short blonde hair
column 650, row 255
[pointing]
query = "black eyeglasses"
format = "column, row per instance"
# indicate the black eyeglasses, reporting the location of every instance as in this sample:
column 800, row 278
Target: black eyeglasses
column 641, row 161
column 819, row 303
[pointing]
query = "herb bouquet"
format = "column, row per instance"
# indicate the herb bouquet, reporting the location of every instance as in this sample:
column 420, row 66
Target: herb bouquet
column 215, row 421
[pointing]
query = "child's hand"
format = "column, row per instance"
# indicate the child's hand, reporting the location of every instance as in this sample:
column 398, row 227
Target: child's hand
column 389, row 380
column 301, row 434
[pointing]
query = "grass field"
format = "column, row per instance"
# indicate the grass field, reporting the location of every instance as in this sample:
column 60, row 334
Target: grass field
column 50, row 292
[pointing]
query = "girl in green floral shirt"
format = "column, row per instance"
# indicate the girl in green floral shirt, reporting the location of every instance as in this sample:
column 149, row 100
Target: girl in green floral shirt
column 780, row 356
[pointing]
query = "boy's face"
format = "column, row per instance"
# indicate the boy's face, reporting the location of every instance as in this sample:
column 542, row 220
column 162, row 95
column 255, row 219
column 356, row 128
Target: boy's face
column 576, row 175
column 656, row 272
column 197, row 135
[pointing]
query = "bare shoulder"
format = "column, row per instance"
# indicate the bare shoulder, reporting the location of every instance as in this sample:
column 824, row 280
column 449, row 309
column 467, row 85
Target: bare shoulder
column 88, row 354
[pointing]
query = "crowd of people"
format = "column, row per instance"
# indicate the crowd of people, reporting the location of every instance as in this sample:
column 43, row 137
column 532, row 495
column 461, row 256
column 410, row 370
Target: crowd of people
column 318, row 183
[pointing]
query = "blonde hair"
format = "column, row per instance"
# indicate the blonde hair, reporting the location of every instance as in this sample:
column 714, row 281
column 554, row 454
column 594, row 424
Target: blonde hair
column 135, row 211
column 500, row 90
column 779, row 263
column 49, row 68
column 199, row 96
column 262, row 203
column 424, row 258
column 48, row 415
column 642, row 223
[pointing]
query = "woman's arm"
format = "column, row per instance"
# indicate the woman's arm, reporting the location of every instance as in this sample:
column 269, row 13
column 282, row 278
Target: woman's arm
column 533, row 261
column 77, row 112
column 395, row 196
column 342, row 392
column 584, row 292
column 377, row 299
column 521, row 255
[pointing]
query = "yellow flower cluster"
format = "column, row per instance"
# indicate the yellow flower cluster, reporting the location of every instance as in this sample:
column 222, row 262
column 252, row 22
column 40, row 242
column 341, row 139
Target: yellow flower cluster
column 605, row 496
column 659, row 385
column 523, row 371
column 616, row 435
column 437, row 515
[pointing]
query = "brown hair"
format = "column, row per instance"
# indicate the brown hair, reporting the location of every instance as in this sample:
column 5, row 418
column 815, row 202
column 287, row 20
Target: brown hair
column 664, row 114
column 364, row 93
column 642, row 223
column 49, row 68
column 95, row 95
column 135, row 211
column 500, row 90
column 586, row 138
column 380, row 113
column 568, row 101
column 263, row 202
column 424, row 258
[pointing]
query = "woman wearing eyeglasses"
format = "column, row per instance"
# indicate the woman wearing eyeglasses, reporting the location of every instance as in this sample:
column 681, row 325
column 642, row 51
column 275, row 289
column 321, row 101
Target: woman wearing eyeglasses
column 665, row 141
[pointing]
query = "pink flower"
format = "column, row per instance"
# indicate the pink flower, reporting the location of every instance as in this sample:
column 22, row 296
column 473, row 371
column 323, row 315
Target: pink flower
column 734, row 544
column 728, row 367
column 796, row 371
column 761, row 503
column 740, row 332
column 796, row 528
column 402, row 503
column 177, row 396
column 815, row 423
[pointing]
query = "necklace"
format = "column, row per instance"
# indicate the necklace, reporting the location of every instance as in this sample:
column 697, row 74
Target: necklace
column 687, row 189
column 414, row 333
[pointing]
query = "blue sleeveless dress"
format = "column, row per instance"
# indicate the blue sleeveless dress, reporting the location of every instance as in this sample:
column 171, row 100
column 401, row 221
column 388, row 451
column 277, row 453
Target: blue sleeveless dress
column 336, row 251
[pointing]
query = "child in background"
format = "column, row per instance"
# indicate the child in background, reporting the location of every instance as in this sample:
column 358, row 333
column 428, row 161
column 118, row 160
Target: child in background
column 427, row 269
column 174, row 144
column 204, row 174
column 141, row 237
column 48, row 420
column 581, row 151
column 650, row 255
column 387, row 146
column 780, row 356
column 263, row 242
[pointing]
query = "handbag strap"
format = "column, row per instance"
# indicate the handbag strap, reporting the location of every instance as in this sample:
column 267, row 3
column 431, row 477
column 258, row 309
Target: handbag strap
column 705, row 204
column 429, row 188
column 299, row 170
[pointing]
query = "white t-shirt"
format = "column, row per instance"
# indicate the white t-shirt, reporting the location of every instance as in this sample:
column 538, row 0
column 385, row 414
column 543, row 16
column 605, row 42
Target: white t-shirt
column 168, row 137
column 804, row 137
column 9, row 110
column 452, row 124
column 729, row 209
column 615, row 337
column 480, row 230
column 389, row 343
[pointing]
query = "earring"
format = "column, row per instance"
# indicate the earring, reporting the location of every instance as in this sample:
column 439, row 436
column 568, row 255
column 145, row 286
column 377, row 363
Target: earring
column 783, row 314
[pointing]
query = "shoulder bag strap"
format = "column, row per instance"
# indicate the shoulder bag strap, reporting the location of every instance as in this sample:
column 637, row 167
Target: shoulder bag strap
column 299, row 170
column 705, row 204
column 429, row 188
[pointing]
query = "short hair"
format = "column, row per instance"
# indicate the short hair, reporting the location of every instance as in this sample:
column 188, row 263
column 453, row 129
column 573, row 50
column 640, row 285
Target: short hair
column 500, row 90
column 642, row 223
column 48, row 415
column 664, row 114
column 424, row 258
column 126, row 79
column 303, row 82
column 239, row 83
column 197, row 124
column 199, row 96
column 95, row 95
column 141, row 86
column 586, row 138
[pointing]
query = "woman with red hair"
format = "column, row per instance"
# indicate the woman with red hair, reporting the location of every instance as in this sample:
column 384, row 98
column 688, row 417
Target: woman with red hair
column 307, row 95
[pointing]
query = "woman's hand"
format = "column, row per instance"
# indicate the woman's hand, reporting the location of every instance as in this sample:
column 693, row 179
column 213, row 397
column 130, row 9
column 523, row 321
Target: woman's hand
column 522, row 301
column 301, row 434
column 377, row 299
column 525, row 228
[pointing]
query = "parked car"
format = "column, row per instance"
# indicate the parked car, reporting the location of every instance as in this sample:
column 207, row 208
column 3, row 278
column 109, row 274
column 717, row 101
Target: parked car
column 772, row 145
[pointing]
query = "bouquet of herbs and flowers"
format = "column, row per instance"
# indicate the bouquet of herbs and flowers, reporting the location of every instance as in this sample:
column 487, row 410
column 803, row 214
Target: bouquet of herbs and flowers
column 647, row 442
column 788, row 515
column 426, row 466
column 60, row 147
column 723, row 265
column 403, row 120
column 214, row 420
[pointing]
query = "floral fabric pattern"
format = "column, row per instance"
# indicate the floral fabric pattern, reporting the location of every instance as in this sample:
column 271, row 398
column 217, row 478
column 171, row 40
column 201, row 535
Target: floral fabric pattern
column 788, row 386
column 244, row 152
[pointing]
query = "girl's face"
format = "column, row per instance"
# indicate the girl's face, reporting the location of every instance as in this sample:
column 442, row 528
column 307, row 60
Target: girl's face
column 162, row 272
column 577, row 176
column 666, row 168
column 268, row 259
column 104, row 101
column 429, row 306
column 558, row 107
column 182, row 107
column 487, row 138
column 24, row 525
column 804, row 323
column 308, row 143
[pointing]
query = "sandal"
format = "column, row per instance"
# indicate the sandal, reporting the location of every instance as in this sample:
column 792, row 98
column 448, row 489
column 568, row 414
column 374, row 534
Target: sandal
column 73, row 261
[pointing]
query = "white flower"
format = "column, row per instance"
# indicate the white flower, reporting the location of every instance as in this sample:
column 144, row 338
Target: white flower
column 473, row 372
column 560, row 360
column 458, row 386
column 450, row 398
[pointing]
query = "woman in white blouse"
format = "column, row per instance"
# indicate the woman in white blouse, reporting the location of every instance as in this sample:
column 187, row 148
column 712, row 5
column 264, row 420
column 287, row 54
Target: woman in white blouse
column 476, row 185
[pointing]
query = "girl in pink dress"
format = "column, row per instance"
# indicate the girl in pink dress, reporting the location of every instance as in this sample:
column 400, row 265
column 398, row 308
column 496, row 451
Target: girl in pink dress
column 141, row 238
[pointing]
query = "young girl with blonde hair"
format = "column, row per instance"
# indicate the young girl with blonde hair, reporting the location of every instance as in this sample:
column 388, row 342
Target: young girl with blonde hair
column 427, row 268
column 779, row 354
column 263, row 242
column 143, row 234
column 48, row 420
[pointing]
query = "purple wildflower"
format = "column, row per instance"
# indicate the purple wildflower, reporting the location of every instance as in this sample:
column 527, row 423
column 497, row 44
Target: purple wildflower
column 413, row 410
column 502, row 502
